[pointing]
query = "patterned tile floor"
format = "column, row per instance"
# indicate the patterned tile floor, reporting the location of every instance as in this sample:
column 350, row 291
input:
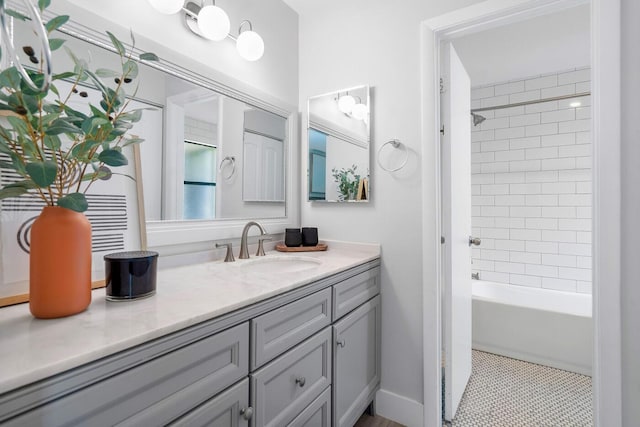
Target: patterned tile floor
column 505, row 392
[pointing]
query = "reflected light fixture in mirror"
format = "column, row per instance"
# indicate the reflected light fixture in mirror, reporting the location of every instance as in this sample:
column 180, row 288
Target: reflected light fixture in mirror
column 352, row 108
column 346, row 103
column 212, row 23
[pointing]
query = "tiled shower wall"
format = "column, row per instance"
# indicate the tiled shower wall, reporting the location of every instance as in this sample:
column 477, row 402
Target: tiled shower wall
column 531, row 183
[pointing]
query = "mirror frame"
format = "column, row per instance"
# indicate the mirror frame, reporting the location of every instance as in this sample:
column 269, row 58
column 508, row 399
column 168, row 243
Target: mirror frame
column 172, row 233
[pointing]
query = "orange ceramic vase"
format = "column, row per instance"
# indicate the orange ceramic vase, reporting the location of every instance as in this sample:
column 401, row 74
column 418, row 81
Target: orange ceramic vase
column 59, row 263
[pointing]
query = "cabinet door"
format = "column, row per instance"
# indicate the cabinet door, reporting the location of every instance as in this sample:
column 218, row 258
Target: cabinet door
column 228, row 409
column 356, row 372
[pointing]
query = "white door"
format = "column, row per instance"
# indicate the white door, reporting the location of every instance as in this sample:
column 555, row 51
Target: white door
column 456, row 222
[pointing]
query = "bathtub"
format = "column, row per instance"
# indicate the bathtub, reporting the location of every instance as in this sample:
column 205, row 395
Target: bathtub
column 542, row 326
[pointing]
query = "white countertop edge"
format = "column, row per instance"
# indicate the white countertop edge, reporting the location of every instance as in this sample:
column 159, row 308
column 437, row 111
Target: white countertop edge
column 17, row 371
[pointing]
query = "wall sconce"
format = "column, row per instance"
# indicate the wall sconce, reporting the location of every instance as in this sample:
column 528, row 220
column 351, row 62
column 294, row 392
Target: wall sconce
column 212, row 23
column 352, row 108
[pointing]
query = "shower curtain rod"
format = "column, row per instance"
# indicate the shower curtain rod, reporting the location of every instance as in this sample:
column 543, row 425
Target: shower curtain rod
column 535, row 101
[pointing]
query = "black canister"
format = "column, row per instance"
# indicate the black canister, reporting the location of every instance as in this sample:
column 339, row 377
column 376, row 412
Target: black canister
column 292, row 237
column 130, row 275
column 309, row 236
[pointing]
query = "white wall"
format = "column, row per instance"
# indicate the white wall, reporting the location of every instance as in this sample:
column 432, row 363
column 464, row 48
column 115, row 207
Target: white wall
column 553, row 42
column 380, row 48
column 630, row 213
column 531, row 184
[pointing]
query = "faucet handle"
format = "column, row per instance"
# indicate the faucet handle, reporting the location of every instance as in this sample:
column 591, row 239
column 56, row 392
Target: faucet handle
column 261, row 246
column 229, row 256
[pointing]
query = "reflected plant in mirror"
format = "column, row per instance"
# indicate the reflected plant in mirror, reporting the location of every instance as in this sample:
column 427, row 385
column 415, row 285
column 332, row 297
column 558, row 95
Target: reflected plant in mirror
column 339, row 146
column 348, row 181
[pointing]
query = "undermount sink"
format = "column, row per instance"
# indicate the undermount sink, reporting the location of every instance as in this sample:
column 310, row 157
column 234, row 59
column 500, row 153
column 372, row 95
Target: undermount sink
column 278, row 264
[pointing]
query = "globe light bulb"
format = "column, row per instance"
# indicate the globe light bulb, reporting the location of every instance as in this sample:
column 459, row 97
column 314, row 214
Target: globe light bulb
column 346, row 103
column 168, row 7
column 213, row 23
column 359, row 111
column 250, row 45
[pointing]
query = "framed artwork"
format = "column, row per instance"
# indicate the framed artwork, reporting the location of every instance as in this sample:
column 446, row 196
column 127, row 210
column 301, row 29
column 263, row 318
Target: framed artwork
column 116, row 214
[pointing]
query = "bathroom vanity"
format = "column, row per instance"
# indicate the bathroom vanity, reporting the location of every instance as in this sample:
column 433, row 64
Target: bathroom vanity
column 270, row 341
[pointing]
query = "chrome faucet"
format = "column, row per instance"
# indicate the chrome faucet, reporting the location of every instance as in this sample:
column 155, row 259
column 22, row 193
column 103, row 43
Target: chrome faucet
column 244, row 250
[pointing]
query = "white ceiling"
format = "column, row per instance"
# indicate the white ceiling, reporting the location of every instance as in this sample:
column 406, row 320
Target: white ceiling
column 546, row 44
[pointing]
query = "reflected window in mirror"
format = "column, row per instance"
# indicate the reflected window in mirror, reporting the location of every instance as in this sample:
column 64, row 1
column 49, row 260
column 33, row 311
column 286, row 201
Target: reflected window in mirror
column 199, row 180
column 338, row 146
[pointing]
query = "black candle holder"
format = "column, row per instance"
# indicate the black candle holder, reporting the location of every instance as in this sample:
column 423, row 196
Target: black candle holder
column 309, row 236
column 292, row 237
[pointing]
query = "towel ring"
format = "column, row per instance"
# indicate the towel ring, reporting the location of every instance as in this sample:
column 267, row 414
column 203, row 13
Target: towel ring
column 395, row 144
column 42, row 35
column 231, row 160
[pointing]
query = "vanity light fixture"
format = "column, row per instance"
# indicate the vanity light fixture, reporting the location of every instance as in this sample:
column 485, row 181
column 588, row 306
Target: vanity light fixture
column 212, row 23
column 249, row 43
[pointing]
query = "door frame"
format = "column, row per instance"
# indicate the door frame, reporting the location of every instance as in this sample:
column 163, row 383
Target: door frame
column 606, row 143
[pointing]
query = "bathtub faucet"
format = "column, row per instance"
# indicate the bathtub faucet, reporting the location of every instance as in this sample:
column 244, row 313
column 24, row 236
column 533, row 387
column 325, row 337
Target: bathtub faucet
column 475, row 276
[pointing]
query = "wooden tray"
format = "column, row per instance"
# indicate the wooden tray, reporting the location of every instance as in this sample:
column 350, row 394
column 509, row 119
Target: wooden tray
column 319, row 247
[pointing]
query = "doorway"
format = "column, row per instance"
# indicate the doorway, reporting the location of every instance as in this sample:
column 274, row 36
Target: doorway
column 474, row 19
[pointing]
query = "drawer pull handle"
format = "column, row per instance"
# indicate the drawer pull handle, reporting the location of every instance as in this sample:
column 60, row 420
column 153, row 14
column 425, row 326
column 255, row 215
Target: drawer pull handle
column 301, row 381
column 247, row 413
column 341, row 343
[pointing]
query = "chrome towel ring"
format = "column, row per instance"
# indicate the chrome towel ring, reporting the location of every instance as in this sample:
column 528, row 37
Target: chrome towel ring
column 395, row 143
column 40, row 30
column 232, row 162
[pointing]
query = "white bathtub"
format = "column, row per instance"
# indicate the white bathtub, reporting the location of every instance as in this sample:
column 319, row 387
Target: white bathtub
column 542, row 326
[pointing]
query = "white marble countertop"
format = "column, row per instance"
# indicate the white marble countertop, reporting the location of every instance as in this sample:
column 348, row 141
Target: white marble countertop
column 33, row 349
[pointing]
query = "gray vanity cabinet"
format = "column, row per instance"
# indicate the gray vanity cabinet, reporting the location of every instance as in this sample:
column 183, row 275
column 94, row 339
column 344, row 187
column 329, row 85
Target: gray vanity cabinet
column 356, row 362
column 309, row 357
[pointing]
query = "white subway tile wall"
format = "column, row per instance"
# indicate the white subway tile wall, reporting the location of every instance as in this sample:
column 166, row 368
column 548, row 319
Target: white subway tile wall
column 531, row 183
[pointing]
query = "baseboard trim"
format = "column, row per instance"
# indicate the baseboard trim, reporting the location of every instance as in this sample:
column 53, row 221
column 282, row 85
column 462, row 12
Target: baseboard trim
column 399, row 409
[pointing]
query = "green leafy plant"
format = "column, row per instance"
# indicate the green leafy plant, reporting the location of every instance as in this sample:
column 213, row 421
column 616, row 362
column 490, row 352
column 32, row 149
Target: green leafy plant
column 347, row 180
column 58, row 151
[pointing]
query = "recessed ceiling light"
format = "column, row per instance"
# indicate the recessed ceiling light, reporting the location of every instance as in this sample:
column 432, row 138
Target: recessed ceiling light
column 575, row 104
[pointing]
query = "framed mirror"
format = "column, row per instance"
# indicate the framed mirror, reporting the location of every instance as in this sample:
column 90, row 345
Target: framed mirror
column 338, row 141
column 216, row 153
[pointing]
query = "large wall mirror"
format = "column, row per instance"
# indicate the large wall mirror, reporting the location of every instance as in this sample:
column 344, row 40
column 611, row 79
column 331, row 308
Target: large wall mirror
column 338, row 146
column 215, row 154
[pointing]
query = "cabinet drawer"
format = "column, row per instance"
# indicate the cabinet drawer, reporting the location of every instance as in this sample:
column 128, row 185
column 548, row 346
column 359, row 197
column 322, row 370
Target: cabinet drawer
column 225, row 410
column 318, row 414
column 155, row 392
column 284, row 387
column 355, row 291
column 279, row 330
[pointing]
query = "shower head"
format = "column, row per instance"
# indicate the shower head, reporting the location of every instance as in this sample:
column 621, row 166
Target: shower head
column 477, row 118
